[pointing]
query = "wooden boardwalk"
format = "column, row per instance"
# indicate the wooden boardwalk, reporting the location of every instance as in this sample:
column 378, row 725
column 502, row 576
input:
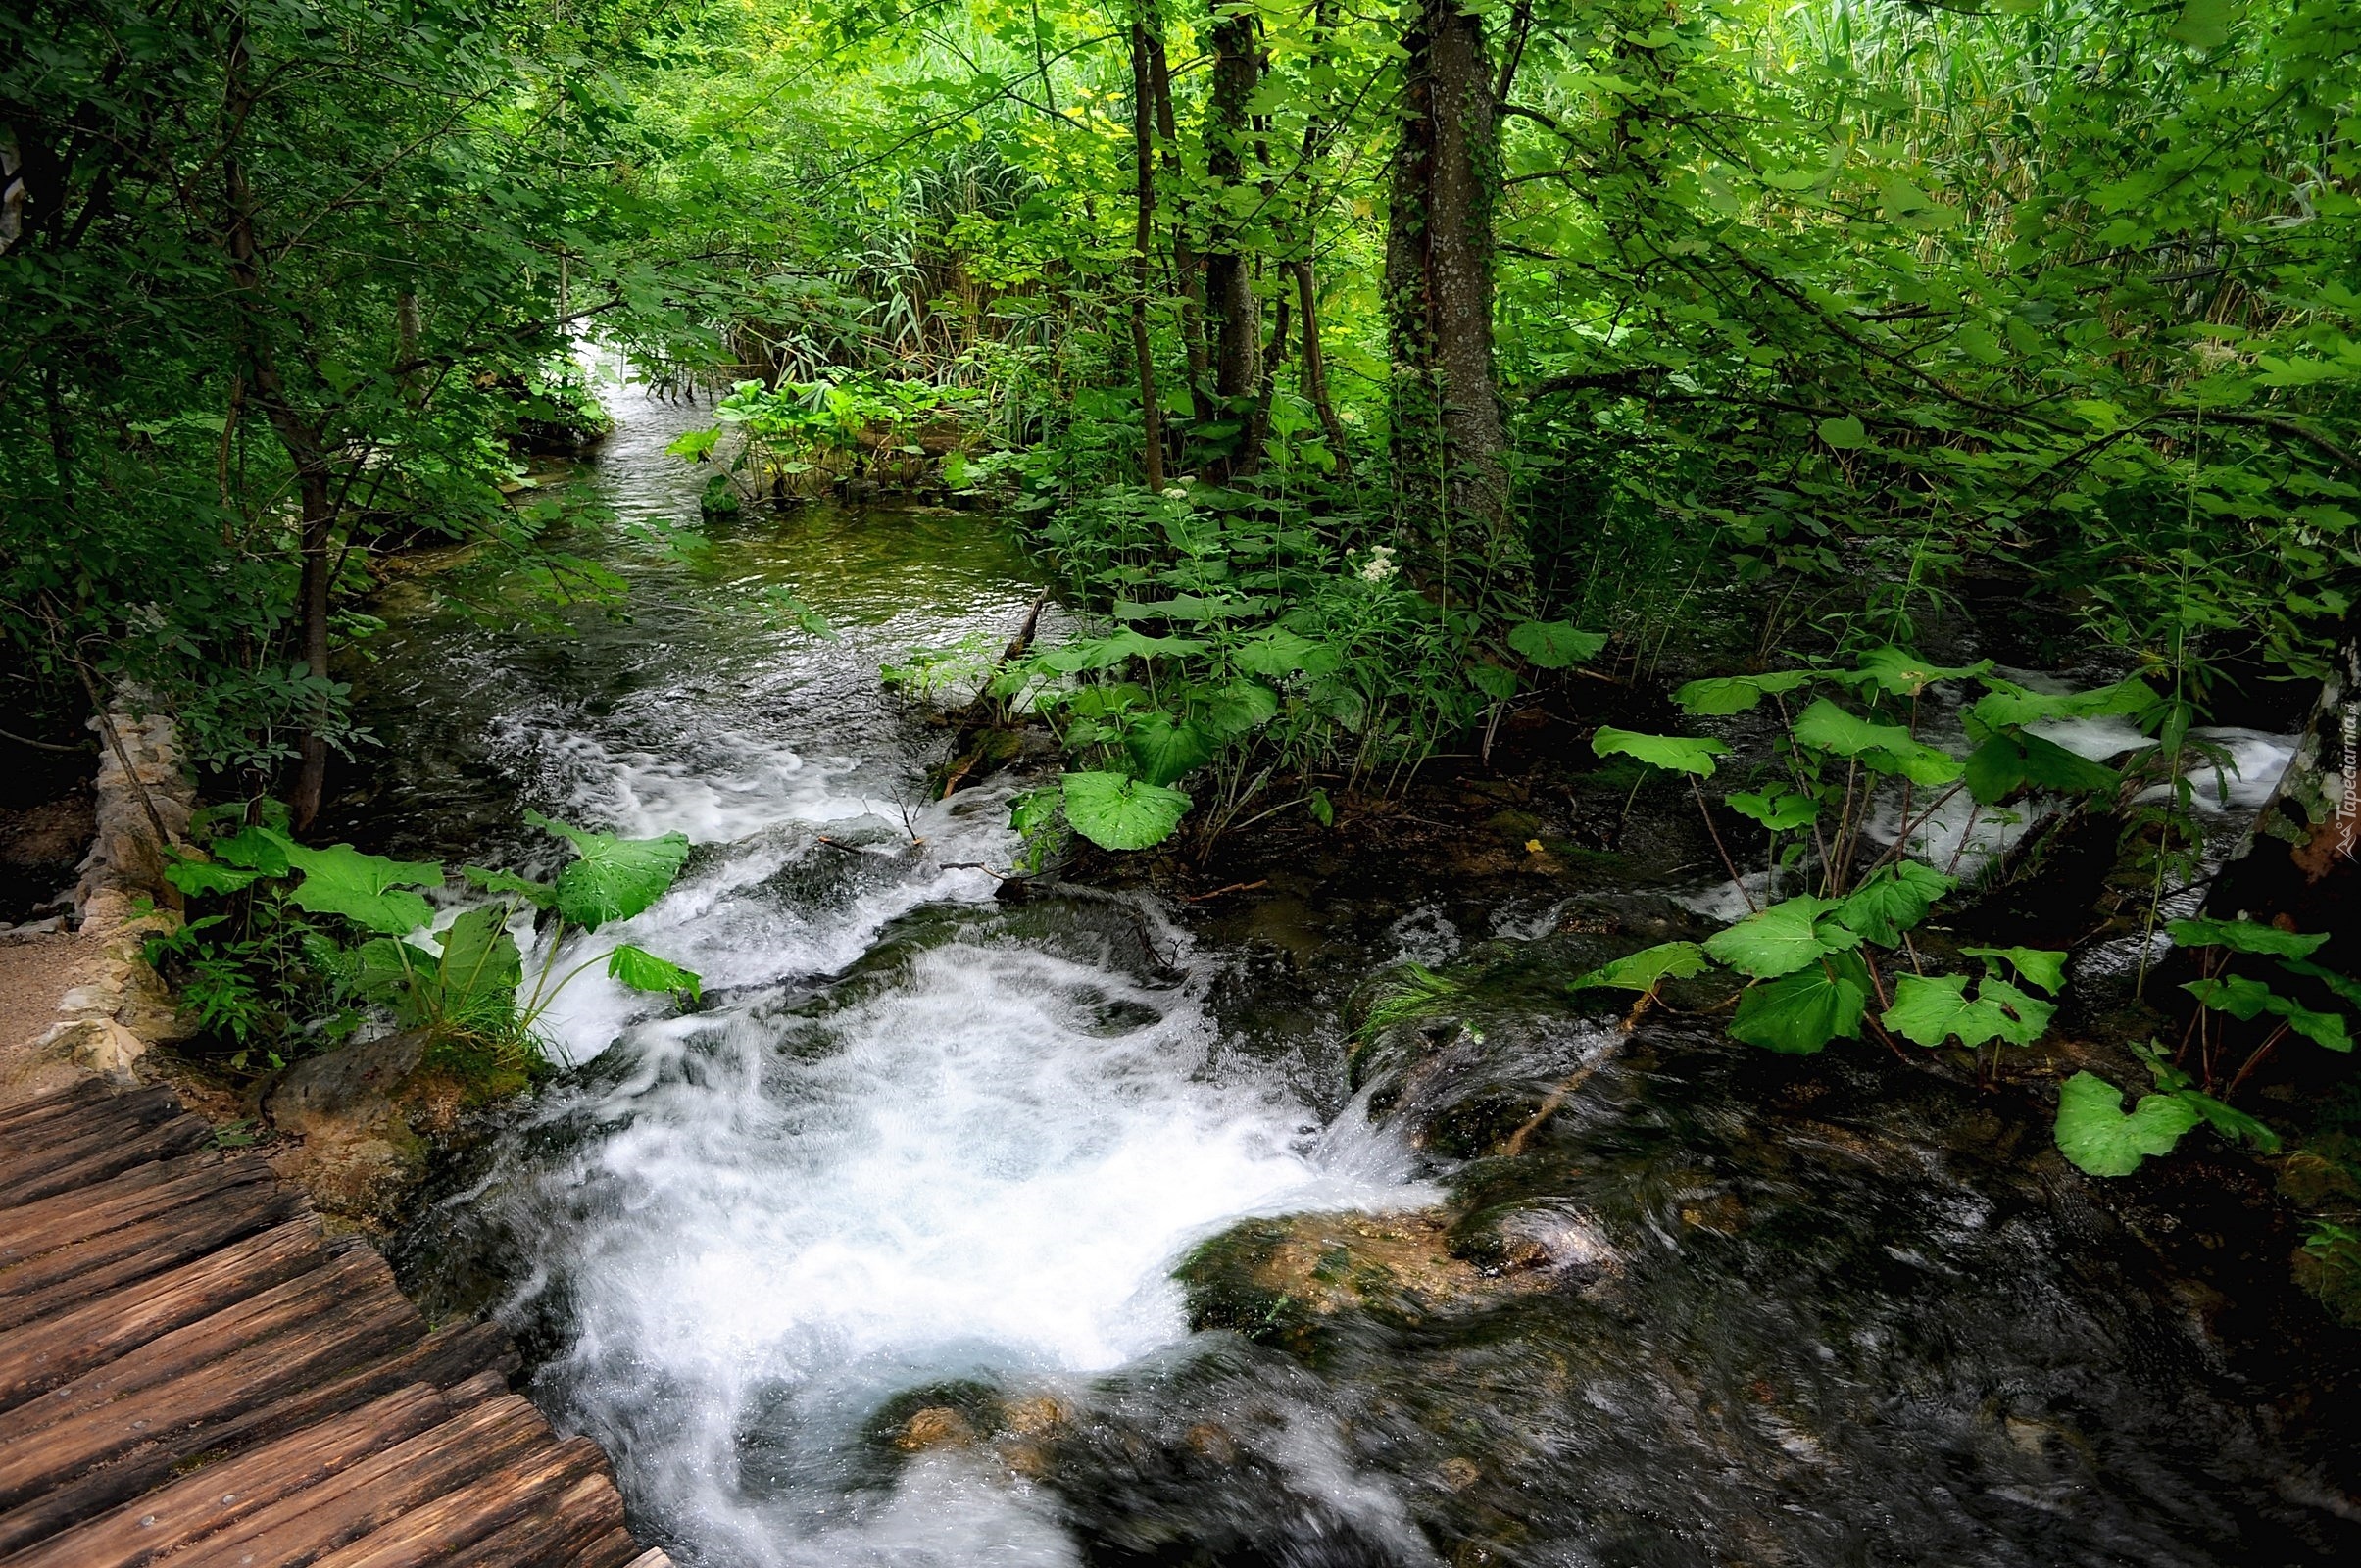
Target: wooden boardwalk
column 191, row 1373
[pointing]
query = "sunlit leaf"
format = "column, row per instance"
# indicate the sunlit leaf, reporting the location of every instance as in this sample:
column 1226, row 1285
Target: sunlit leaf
column 613, row 878
column 1117, row 813
column 1686, row 754
column 643, row 970
column 2094, row 1133
column 1646, row 969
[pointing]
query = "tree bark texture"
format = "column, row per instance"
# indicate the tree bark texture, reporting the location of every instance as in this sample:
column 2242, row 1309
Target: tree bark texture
column 1450, row 445
column 1229, row 276
column 1142, row 148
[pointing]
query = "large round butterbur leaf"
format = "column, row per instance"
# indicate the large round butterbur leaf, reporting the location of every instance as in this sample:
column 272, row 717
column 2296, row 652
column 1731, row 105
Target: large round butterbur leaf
column 1882, row 747
column 1902, row 673
column 1117, row 813
column 1776, row 808
column 614, row 878
column 2094, row 1133
column 1684, row 754
column 1799, row 1013
column 197, row 877
column 643, row 970
column 1163, row 748
column 1782, row 939
column 1893, row 899
column 1555, row 644
column 2245, row 936
column 368, row 890
column 2042, row 968
column 1739, row 694
column 1240, row 705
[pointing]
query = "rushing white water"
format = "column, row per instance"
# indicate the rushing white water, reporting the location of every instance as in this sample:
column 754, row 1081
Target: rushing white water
column 914, row 1137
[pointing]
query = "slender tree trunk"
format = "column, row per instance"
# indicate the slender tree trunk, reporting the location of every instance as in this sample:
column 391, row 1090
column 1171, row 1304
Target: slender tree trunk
column 1450, row 442
column 1229, row 278
column 1143, row 107
column 1188, row 269
column 1315, row 365
column 304, row 441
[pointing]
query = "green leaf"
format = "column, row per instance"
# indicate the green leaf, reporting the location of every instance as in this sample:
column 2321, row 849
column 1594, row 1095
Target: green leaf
column 1687, row 754
column 365, row 889
column 1777, row 809
column 613, row 878
column 2094, row 1132
column 1883, row 748
column 1163, row 748
column 1117, row 813
column 1494, row 682
column 2249, row 999
column 1781, row 939
column 2245, row 936
column 2204, row 25
column 1801, row 1013
column 1240, row 706
column 1739, row 694
column 1555, row 644
column 1647, row 969
column 2007, row 704
column 1846, row 434
column 198, row 878
column 643, row 970
column 2230, row 1121
column 2035, row 966
column 1906, row 675
column 387, row 969
column 2010, row 760
column 2343, row 986
column 1892, row 900
column 1279, row 653
column 539, row 894
column 257, row 849
column 1930, row 1009
column 2025, row 1018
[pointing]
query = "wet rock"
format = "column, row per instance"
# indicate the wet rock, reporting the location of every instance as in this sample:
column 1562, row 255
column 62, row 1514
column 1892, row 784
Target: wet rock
column 937, row 1426
column 1541, row 1234
column 345, row 1117
column 1282, row 1280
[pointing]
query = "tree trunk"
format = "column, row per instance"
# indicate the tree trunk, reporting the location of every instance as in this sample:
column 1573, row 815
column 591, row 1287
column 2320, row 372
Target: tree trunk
column 1229, row 279
column 1143, row 150
column 305, row 443
column 2302, row 869
column 1315, row 365
column 1187, row 271
column 1450, row 444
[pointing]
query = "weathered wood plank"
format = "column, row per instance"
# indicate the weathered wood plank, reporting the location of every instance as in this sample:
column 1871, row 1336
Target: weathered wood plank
column 354, row 1278
column 52, row 1351
column 221, row 1495
column 554, row 1534
column 61, row 1142
column 65, row 1276
column 380, row 1489
column 432, row 1532
column 96, row 1158
column 18, row 1120
column 615, row 1548
column 124, row 1199
column 296, row 1338
column 652, row 1558
column 468, row 1362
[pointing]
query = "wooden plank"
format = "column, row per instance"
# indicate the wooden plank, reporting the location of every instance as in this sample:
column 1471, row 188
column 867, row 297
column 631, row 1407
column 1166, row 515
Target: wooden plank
column 379, row 1491
column 46, row 1145
column 433, row 1533
column 91, row 1161
column 221, row 1495
column 652, row 1558
column 55, row 1349
column 124, row 1199
column 354, row 1276
column 615, row 1548
column 554, row 1534
column 275, row 1344
column 463, row 1355
column 64, row 1276
column 49, row 1107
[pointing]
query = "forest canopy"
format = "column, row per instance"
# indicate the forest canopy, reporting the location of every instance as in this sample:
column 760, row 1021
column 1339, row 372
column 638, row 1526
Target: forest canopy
column 1565, row 311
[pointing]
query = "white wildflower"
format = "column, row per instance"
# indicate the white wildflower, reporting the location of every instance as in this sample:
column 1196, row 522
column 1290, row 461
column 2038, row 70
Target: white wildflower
column 1379, row 568
column 1173, row 492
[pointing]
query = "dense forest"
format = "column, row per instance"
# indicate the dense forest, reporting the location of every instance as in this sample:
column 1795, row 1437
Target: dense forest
column 1890, row 458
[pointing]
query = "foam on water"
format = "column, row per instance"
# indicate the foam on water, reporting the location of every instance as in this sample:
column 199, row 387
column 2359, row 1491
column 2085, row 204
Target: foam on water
column 911, row 1136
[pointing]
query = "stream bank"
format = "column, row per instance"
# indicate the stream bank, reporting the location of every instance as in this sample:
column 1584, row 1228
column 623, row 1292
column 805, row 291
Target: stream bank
column 870, row 1259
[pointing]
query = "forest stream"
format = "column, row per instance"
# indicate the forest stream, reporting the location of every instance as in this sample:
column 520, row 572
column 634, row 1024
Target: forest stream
column 869, row 1259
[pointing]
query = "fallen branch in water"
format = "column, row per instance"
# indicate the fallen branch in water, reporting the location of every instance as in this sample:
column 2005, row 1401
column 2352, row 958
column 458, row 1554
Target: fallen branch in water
column 1235, row 887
